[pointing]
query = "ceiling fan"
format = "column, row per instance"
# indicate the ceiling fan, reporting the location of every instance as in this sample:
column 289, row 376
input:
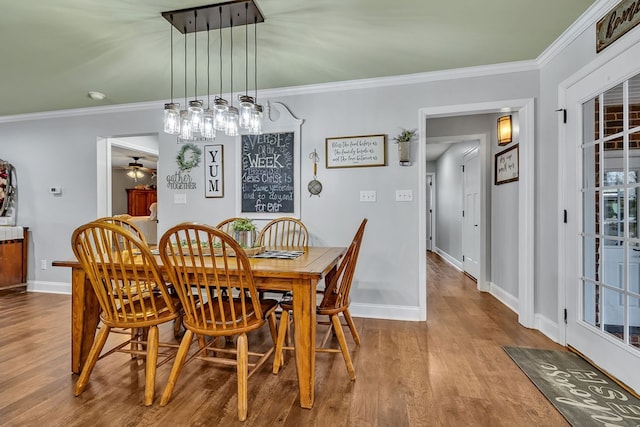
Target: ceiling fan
column 136, row 170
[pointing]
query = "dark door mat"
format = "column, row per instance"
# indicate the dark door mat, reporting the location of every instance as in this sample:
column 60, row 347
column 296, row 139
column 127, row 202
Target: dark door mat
column 579, row 391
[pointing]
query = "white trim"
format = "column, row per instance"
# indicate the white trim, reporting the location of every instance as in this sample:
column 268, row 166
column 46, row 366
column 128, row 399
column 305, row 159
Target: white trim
column 622, row 45
column 590, row 16
column 504, row 297
column 387, row 312
column 526, row 207
column 408, row 79
column 548, row 327
column 448, row 258
column 49, row 287
column 587, row 19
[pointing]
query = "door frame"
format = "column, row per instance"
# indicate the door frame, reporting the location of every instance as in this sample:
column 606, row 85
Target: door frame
column 525, row 108
column 432, row 206
column 618, row 49
column 103, row 166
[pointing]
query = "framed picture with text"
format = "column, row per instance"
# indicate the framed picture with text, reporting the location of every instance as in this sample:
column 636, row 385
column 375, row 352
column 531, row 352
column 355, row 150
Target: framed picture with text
column 507, row 167
column 355, row 151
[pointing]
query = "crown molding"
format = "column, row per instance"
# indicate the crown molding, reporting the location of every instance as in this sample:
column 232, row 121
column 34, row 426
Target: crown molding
column 587, row 19
column 590, row 16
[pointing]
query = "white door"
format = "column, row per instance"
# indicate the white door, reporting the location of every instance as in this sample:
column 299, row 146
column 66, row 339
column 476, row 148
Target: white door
column 471, row 218
column 430, row 211
column 601, row 242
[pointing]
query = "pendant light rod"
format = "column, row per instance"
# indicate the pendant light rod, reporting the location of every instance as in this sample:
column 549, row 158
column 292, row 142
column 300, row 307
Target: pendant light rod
column 171, row 38
column 195, row 57
column 246, row 50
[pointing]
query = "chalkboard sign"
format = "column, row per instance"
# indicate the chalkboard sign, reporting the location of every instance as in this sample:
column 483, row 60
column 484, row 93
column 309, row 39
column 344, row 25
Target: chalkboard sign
column 268, row 183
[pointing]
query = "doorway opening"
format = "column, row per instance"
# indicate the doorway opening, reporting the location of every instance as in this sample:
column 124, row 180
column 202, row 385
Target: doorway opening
column 113, row 152
column 524, row 299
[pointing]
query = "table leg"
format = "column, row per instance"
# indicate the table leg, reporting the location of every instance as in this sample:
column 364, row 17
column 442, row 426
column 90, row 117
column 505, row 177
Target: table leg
column 304, row 319
column 85, row 312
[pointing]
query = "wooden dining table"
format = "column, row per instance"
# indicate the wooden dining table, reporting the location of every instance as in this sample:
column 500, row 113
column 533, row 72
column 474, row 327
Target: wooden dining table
column 300, row 275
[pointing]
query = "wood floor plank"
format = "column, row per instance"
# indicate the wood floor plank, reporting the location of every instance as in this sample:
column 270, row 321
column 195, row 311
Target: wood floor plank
column 448, row 371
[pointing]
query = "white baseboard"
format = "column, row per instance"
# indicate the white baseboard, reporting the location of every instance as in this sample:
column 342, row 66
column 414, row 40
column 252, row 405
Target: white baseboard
column 49, row 287
column 547, row 327
column 451, row 260
column 504, row 297
column 389, row 312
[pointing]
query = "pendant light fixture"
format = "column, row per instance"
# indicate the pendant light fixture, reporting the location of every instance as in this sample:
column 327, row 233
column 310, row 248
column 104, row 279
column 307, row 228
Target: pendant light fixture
column 246, row 102
column 208, row 130
column 255, row 125
column 221, row 106
column 171, row 109
column 232, row 114
column 195, row 106
column 196, row 123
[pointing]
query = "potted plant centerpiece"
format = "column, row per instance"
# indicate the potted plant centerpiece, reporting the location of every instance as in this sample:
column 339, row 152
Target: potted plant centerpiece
column 404, row 145
column 244, row 231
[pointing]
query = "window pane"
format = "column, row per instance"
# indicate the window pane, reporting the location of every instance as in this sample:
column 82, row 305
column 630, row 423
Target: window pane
column 634, row 321
column 590, row 303
column 591, row 165
column 591, row 120
column 634, row 103
column 613, row 266
column 614, row 313
column 613, row 111
column 591, row 262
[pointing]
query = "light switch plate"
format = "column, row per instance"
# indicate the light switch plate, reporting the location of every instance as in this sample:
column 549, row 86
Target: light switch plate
column 180, row 199
column 368, row 195
column 404, row 195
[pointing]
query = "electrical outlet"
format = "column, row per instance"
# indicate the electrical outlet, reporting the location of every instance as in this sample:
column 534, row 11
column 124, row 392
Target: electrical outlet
column 43, row 264
column 180, row 199
column 367, row 195
column 404, row 195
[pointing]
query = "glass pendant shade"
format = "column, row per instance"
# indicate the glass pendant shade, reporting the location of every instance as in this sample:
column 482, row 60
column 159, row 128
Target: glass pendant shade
column 172, row 118
column 246, row 109
column 232, row 122
column 255, row 125
column 208, row 131
column 220, row 109
column 195, row 115
column 185, row 126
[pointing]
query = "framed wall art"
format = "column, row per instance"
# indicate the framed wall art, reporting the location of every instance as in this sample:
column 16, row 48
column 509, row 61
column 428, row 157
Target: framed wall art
column 507, row 167
column 355, row 151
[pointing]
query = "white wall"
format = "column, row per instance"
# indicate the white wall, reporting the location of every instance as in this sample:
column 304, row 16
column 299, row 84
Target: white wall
column 386, row 283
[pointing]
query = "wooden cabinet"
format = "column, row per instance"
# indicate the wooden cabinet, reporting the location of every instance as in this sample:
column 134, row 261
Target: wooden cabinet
column 139, row 200
column 13, row 259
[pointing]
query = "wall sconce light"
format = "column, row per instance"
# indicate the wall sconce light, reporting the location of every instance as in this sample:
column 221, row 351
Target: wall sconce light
column 504, row 130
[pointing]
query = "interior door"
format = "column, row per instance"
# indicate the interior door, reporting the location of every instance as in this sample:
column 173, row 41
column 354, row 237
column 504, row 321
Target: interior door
column 601, row 241
column 471, row 219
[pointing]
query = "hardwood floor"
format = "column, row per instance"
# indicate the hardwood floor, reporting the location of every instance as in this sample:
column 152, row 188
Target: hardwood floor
column 449, row 371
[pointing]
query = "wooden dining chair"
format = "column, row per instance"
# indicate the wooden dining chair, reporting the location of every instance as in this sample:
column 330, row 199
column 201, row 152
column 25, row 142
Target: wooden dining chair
column 219, row 298
column 226, row 225
column 123, row 221
column 284, row 231
column 130, row 290
column 335, row 301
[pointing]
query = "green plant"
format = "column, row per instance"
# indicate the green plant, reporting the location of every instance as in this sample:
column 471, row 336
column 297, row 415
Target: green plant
column 243, row 224
column 406, row 135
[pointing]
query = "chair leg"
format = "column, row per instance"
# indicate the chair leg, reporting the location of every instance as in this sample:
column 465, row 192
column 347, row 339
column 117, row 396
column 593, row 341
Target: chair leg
column 337, row 327
column 273, row 326
column 92, row 358
column 152, row 361
column 177, row 367
column 326, row 336
column 352, row 326
column 278, row 358
column 243, row 373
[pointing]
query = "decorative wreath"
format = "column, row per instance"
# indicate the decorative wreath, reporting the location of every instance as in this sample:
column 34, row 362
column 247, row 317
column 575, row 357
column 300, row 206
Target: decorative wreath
column 188, row 157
